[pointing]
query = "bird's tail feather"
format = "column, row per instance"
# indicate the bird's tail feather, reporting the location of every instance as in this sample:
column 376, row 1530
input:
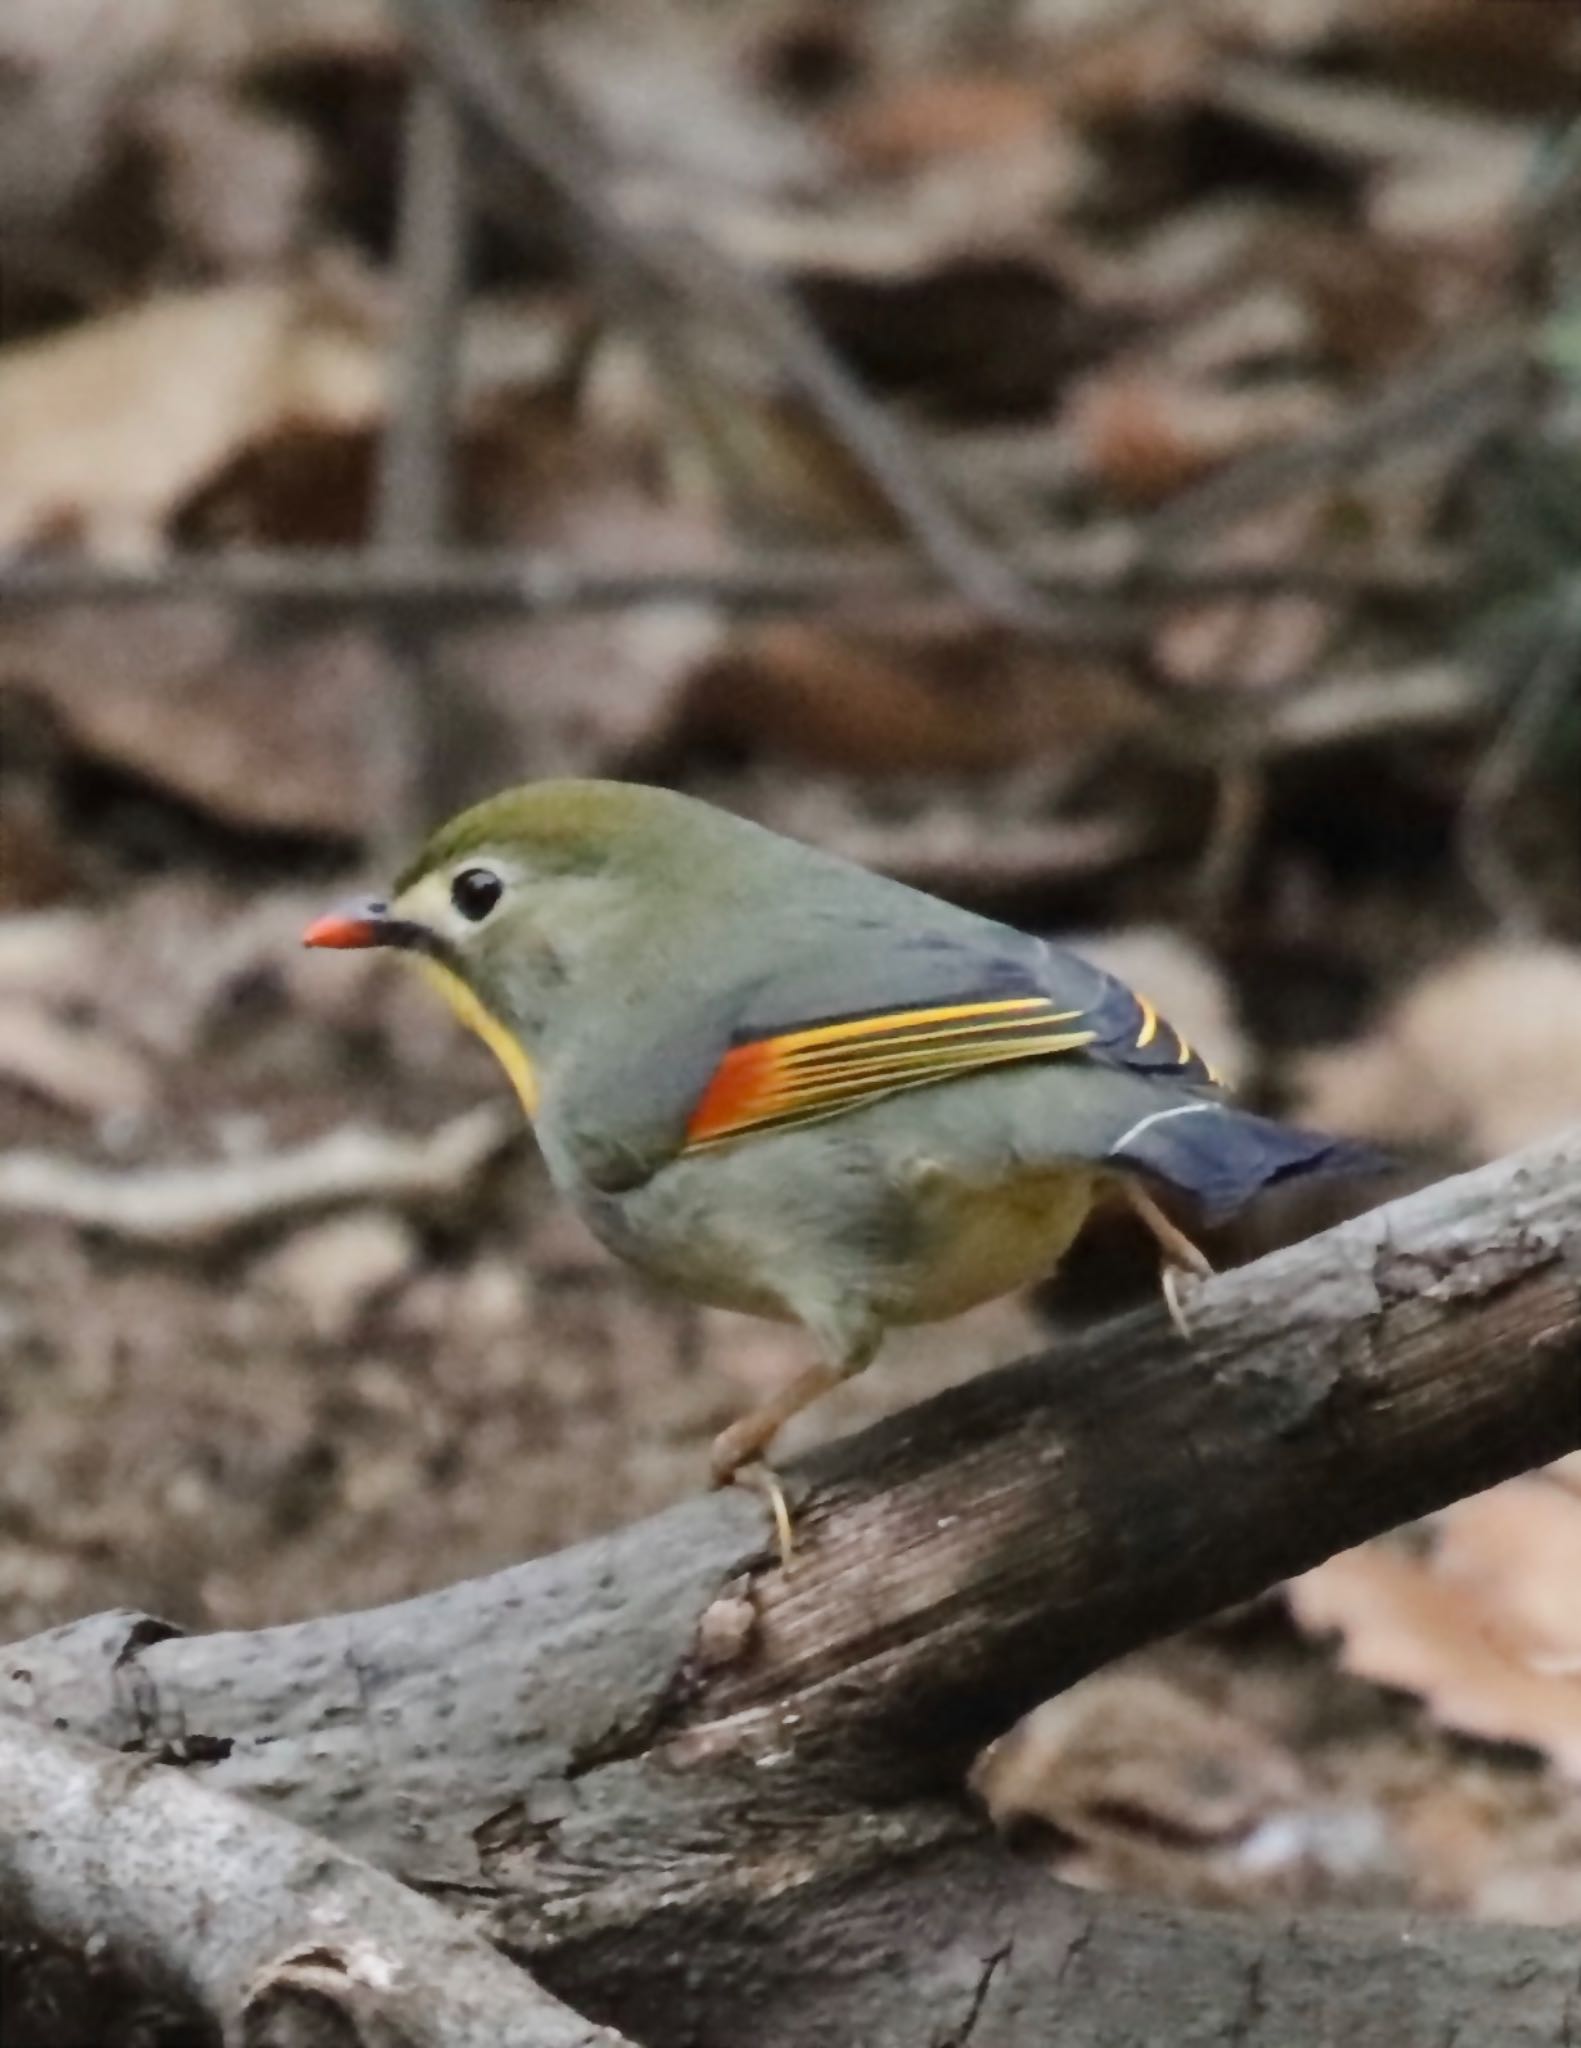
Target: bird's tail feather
column 1222, row 1156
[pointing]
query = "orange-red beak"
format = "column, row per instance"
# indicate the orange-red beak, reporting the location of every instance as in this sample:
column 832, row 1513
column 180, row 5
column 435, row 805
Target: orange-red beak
column 351, row 925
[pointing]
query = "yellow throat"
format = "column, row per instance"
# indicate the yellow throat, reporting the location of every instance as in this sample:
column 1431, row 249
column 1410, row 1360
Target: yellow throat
column 498, row 1037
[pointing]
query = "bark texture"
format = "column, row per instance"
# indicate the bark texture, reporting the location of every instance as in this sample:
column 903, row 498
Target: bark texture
column 708, row 1800
column 284, row 1939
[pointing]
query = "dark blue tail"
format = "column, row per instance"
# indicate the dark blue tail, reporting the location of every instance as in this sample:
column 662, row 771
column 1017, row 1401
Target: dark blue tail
column 1222, row 1156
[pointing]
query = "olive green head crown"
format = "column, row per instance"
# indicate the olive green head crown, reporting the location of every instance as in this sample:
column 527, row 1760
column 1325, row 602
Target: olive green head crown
column 568, row 826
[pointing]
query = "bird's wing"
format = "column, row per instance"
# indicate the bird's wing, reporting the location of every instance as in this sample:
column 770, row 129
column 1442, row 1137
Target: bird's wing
column 879, row 1014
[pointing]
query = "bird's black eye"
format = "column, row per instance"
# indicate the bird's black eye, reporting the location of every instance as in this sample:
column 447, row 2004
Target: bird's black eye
column 475, row 891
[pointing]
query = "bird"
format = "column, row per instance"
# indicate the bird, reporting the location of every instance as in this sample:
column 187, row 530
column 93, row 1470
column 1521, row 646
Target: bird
column 783, row 1083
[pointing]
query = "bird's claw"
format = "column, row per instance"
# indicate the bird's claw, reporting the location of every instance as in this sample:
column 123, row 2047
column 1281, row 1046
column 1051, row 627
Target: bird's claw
column 736, row 1459
column 761, row 1478
column 1174, row 1280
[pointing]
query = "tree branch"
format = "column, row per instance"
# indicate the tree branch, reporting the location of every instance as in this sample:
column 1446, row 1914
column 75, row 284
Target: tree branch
column 268, row 1931
column 943, row 1940
column 661, row 1745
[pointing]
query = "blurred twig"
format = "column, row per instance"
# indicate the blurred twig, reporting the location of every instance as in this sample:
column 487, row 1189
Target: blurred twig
column 1101, row 588
column 514, row 102
column 414, row 510
column 1469, row 391
column 204, row 1207
column 1509, row 766
column 415, row 493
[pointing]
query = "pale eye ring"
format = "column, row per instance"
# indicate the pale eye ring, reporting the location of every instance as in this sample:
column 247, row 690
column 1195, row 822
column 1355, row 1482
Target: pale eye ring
column 475, row 891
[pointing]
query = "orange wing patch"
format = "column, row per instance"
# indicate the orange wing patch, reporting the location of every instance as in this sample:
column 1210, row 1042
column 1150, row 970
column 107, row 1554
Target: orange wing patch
column 800, row 1077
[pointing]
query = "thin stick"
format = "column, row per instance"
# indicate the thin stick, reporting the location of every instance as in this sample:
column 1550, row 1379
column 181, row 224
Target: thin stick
column 517, row 106
column 1100, row 591
column 416, row 489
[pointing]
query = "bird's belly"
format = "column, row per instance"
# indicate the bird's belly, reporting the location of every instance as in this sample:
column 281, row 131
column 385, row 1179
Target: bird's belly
column 789, row 1228
column 974, row 1242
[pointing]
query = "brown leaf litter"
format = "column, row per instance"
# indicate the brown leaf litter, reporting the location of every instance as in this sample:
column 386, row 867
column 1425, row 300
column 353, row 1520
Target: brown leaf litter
column 1482, row 1624
column 1137, row 1785
column 104, row 430
column 1479, row 1056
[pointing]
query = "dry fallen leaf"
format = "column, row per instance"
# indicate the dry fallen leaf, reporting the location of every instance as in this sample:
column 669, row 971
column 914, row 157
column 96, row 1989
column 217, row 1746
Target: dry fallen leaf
column 40, row 852
column 1142, row 433
column 272, row 730
column 1516, row 1551
column 906, row 703
column 334, row 1272
column 66, row 67
column 106, row 428
column 49, row 954
column 1466, row 198
column 944, row 850
column 234, row 183
column 953, row 164
column 1127, row 1753
column 687, row 124
column 1370, row 305
column 1149, row 65
column 1482, row 1627
column 1482, row 1054
column 911, row 123
column 70, row 1064
column 1510, row 53
column 276, row 32
column 1143, row 1787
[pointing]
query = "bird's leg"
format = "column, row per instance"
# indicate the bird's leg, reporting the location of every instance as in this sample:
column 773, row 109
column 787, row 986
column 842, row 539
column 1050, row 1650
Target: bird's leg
column 1180, row 1255
column 744, row 1442
column 761, row 1478
column 737, row 1455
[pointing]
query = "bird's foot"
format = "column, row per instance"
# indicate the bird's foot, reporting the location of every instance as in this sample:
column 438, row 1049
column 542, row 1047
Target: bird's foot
column 1171, row 1279
column 1181, row 1258
column 763, row 1479
column 737, row 1456
column 736, row 1459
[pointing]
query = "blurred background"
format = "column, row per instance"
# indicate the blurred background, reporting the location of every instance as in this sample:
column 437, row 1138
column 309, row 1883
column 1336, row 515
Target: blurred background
column 1117, row 464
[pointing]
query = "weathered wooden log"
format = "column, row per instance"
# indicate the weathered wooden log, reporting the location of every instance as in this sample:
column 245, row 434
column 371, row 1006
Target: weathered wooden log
column 672, row 1777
